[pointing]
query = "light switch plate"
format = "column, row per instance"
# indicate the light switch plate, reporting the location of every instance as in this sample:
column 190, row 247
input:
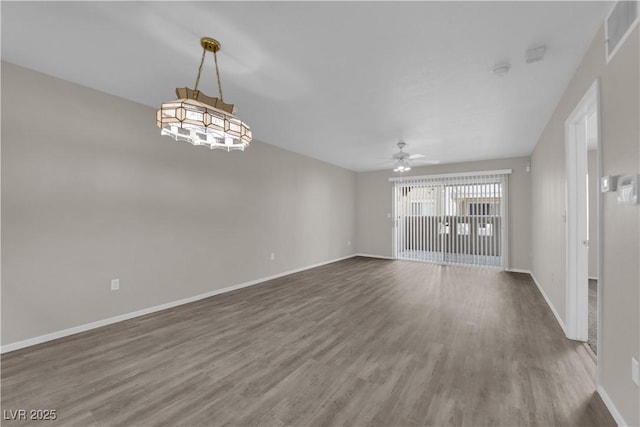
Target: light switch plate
column 635, row 371
column 607, row 183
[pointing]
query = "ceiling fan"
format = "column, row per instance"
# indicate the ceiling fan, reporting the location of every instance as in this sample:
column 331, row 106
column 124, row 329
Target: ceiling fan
column 402, row 160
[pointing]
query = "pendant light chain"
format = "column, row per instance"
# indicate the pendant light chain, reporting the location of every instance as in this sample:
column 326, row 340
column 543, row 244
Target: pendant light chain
column 215, row 59
column 204, row 51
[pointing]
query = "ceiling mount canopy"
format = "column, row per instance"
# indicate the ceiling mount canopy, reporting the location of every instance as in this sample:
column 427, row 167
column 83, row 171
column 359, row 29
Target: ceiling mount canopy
column 212, row 45
column 200, row 119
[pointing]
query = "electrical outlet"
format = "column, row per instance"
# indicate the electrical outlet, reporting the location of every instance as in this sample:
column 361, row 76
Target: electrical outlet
column 635, row 371
column 273, row 256
column 115, row 284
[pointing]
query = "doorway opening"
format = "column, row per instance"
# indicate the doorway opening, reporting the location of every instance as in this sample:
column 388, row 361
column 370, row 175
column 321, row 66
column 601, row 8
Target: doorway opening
column 583, row 215
column 593, row 187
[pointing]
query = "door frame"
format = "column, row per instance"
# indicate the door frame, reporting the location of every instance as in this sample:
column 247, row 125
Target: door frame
column 577, row 253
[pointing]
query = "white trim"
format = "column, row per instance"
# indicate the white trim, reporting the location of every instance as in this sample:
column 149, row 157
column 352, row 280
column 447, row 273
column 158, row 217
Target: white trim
column 593, row 278
column 506, row 223
column 599, row 246
column 577, row 255
column 97, row 324
column 518, row 270
column 394, row 222
column 375, row 256
column 632, row 27
column 452, row 175
column 617, row 416
column 553, row 309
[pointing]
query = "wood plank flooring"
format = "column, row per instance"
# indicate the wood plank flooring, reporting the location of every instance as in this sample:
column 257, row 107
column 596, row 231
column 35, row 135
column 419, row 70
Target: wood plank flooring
column 357, row 342
column 593, row 315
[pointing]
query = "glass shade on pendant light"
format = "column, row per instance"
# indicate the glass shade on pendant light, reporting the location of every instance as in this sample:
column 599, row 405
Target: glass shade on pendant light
column 202, row 120
column 193, row 121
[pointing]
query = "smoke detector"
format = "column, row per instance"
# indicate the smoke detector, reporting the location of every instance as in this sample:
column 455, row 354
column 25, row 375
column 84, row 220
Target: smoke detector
column 501, row 69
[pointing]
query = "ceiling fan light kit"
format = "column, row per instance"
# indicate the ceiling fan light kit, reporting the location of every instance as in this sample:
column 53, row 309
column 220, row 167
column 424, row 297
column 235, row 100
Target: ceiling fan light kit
column 402, row 166
column 402, row 160
column 202, row 120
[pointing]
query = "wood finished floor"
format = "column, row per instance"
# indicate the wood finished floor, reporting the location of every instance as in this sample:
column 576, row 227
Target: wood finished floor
column 593, row 315
column 358, row 342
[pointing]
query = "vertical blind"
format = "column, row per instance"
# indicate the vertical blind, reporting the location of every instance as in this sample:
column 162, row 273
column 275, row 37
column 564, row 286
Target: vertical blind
column 452, row 218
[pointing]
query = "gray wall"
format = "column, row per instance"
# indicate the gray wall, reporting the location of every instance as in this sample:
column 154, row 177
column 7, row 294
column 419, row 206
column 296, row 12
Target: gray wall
column 91, row 192
column 374, row 226
column 620, row 98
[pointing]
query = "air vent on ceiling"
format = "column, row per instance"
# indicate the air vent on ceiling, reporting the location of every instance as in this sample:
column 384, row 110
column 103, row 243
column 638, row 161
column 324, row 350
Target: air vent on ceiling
column 619, row 24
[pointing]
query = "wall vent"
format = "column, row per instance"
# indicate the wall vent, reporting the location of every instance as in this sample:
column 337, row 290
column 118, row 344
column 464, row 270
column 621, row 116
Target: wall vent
column 619, row 24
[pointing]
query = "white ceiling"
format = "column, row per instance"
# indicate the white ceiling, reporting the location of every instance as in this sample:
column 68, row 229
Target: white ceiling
column 338, row 81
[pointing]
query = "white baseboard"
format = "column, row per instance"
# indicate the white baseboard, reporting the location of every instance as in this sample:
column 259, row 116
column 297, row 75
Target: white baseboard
column 518, row 270
column 551, row 306
column 375, row 256
column 97, row 324
column 617, row 416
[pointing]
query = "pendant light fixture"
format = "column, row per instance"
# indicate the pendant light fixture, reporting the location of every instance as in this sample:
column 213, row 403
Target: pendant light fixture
column 202, row 120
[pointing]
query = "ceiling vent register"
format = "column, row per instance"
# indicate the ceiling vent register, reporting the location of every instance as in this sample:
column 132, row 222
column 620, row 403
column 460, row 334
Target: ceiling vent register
column 619, row 24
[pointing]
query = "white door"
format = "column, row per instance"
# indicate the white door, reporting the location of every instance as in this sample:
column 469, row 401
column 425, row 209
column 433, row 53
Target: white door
column 577, row 227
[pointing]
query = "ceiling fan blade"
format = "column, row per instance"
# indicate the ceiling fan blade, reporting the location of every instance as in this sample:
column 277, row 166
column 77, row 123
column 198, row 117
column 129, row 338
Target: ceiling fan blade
column 416, row 156
column 426, row 162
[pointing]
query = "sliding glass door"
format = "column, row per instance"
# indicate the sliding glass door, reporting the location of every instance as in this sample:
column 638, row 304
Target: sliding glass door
column 452, row 219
